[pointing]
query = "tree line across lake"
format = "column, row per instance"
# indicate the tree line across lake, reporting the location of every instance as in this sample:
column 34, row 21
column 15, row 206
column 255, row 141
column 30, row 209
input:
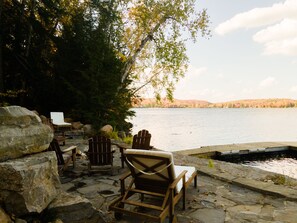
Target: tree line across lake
column 252, row 103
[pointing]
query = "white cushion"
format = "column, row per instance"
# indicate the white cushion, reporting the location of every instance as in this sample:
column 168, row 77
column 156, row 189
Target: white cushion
column 176, row 170
column 58, row 119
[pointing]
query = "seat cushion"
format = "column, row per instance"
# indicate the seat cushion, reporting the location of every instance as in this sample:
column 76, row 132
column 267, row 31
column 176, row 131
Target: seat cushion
column 178, row 169
column 168, row 170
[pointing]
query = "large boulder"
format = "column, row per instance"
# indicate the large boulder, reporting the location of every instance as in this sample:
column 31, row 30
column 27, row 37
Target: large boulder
column 4, row 218
column 22, row 133
column 72, row 208
column 107, row 129
column 29, row 184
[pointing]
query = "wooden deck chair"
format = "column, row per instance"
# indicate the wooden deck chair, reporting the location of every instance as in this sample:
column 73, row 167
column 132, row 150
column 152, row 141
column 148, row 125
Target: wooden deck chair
column 100, row 152
column 153, row 173
column 142, row 140
column 57, row 119
column 64, row 157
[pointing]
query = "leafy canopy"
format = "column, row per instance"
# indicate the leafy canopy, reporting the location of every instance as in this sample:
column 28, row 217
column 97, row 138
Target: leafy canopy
column 154, row 35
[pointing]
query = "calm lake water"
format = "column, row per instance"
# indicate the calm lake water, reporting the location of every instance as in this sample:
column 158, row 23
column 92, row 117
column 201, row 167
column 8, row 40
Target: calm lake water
column 187, row 128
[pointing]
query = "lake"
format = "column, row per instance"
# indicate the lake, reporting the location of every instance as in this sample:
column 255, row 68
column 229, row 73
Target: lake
column 188, row 128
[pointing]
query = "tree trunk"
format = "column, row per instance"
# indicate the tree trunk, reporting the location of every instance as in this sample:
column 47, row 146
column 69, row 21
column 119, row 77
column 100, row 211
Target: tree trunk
column 131, row 61
column 1, row 44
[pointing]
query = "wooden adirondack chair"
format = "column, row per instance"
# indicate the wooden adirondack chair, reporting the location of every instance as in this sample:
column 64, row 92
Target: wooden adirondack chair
column 64, row 157
column 100, row 152
column 142, row 140
column 153, row 174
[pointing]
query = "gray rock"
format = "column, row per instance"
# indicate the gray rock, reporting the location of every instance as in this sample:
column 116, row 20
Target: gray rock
column 71, row 208
column 107, row 129
column 249, row 213
column 22, row 133
column 209, row 215
column 18, row 220
column 88, row 130
column 4, row 218
column 29, row 184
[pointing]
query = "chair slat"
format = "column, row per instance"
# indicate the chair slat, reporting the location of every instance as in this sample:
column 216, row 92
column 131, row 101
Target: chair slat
column 139, row 204
column 147, row 193
column 153, row 174
column 142, row 140
column 100, row 152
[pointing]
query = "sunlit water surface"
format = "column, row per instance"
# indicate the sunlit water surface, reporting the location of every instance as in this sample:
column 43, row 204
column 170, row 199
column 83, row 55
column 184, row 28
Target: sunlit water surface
column 285, row 166
column 186, row 128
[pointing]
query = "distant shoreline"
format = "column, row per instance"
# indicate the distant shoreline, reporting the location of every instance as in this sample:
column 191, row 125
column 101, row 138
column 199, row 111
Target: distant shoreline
column 248, row 103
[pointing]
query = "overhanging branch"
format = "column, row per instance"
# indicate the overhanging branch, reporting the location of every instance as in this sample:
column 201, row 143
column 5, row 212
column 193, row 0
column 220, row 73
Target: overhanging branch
column 131, row 61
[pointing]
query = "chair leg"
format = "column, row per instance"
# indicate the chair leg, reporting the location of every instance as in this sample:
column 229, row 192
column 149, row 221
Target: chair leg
column 118, row 215
column 122, row 157
column 195, row 181
column 172, row 219
column 74, row 158
column 171, row 207
column 184, row 192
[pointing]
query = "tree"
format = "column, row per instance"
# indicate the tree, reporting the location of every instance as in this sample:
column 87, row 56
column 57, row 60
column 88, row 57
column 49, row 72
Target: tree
column 154, row 36
column 1, row 34
column 87, row 68
column 29, row 27
column 87, row 58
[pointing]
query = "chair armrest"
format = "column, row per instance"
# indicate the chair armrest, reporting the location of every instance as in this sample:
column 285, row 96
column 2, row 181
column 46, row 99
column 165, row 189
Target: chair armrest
column 121, row 145
column 177, row 179
column 71, row 148
column 122, row 180
column 125, row 176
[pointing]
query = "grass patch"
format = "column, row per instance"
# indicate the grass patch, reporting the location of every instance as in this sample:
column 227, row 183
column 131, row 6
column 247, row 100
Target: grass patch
column 281, row 180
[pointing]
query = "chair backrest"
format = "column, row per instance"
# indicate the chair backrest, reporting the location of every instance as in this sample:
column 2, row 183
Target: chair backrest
column 58, row 118
column 142, row 140
column 152, row 170
column 54, row 146
column 100, row 152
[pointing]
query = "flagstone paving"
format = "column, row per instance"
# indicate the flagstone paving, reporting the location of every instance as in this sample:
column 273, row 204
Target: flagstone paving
column 226, row 192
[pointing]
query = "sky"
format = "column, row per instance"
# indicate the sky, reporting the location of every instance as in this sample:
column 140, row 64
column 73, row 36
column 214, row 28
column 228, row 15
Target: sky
column 251, row 54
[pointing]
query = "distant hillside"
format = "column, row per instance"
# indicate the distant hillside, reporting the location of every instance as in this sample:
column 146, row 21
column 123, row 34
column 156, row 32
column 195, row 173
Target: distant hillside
column 252, row 103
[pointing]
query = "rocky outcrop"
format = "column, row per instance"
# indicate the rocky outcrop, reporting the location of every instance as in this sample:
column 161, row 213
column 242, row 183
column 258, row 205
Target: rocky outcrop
column 29, row 181
column 4, row 218
column 22, row 133
column 29, row 184
column 72, row 208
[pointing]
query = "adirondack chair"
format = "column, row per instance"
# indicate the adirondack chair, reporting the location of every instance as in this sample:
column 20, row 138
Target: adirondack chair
column 59, row 126
column 57, row 119
column 153, row 175
column 100, row 152
column 64, row 157
column 142, row 140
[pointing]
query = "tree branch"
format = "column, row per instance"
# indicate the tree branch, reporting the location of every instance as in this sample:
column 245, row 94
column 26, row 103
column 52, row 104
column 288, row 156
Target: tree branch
column 131, row 61
column 146, row 83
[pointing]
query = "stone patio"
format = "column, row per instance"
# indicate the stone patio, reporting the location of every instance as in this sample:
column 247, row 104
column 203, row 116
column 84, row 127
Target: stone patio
column 226, row 192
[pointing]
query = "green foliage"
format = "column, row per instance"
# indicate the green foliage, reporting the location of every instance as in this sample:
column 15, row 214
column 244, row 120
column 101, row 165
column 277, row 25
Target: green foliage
column 210, row 163
column 60, row 56
column 279, row 179
column 113, row 135
column 154, row 33
column 128, row 140
column 86, row 58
